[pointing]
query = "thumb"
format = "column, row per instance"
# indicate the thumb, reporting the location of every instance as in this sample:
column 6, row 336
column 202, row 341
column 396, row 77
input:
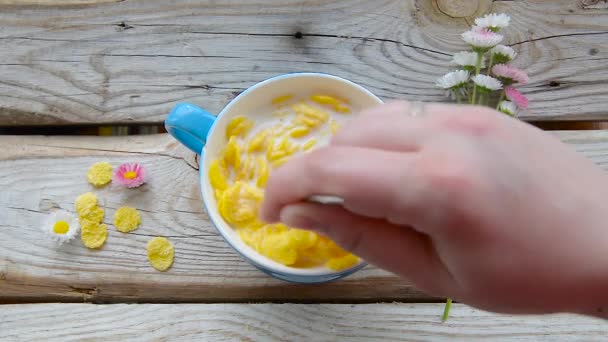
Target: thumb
column 399, row 249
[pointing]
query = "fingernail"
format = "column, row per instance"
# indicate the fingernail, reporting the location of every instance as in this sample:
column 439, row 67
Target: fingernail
column 297, row 216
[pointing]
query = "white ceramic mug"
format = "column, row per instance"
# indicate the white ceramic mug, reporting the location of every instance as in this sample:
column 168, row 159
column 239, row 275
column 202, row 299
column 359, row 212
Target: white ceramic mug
column 204, row 134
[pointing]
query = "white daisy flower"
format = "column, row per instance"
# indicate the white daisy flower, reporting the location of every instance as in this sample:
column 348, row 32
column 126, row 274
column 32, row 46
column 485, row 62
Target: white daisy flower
column 61, row 226
column 487, row 83
column 507, row 107
column 493, row 21
column 502, row 54
column 467, row 59
column 481, row 39
column 454, row 79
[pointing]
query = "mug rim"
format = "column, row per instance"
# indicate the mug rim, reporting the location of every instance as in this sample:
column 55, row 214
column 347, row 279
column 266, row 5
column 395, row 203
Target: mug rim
column 260, row 262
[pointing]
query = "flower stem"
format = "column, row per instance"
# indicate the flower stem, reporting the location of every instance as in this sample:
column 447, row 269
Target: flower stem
column 446, row 310
column 478, row 65
column 502, row 97
column 458, row 99
column 490, row 64
column 477, row 70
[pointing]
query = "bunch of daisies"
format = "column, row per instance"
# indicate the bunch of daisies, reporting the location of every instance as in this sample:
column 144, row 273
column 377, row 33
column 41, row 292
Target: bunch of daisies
column 486, row 76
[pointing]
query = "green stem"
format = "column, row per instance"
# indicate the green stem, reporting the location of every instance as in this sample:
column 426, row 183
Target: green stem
column 458, row 99
column 490, row 64
column 474, row 94
column 446, row 310
column 477, row 70
column 502, row 97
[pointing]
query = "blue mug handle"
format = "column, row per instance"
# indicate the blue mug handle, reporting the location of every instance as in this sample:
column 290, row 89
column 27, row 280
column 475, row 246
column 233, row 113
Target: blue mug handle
column 190, row 125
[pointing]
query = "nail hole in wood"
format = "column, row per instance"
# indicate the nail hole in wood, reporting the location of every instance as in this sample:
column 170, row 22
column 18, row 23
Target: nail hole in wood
column 298, row 35
column 554, row 84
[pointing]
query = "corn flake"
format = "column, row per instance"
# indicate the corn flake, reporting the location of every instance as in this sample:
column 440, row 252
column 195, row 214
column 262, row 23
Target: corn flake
column 126, row 219
column 95, row 214
column 239, row 126
column 341, row 263
column 239, row 193
column 85, row 202
column 93, row 234
column 100, row 174
column 160, row 253
column 218, row 174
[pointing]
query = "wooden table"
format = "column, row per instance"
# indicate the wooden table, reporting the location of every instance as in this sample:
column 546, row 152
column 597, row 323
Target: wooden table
column 119, row 62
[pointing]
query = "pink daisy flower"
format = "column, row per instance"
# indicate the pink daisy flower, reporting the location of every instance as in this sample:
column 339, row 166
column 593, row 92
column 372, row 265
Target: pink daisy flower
column 520, row 100
column 130, row 175
column 481, row 38
column 511, row 73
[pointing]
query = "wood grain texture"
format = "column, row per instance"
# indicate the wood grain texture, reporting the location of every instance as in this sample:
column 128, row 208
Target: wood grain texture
column 285, row 322
column 132, row 61
column 38, row 174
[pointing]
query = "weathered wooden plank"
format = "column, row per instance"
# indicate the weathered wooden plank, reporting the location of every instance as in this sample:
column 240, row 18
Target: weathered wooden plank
column 38, row 174
column 285, row 322
column 131, row 61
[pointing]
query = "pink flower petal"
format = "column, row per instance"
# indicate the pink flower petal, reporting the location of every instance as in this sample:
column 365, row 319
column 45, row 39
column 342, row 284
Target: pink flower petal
column 130, row 175
column 517, row 97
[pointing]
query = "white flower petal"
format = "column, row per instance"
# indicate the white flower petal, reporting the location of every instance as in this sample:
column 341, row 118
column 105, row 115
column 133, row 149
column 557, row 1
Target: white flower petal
column 61, row 215
column 453, row 79
column 487, row 82
column 494, row 21
column 507, row 107
column 467, row 58
column 505, row 51
column 480, row 37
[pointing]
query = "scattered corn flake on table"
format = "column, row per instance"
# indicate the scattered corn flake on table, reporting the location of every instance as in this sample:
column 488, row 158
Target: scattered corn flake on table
column 101, row 62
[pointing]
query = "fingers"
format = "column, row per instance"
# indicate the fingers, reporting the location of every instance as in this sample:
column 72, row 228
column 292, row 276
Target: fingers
column 387, row 127
column 371, row 182
column 396, row 248
column 406, row 127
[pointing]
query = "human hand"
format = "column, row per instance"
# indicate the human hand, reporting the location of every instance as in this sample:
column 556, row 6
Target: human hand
column 465, row 202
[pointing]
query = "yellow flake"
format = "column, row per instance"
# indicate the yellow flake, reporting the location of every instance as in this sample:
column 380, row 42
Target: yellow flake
column 307, row 146
column 218, row 174
column 258, row 141
column 281, row 99
column 302, row 109
column 95, row 214
column 341, row 109
column 278, row 162
column 247, row 169
column 279, row 247
column 239, row 203
column 304, row 120
column 218, row 194
column 93, row 234
column 126, row 219
column 263, row 171
column 239, row 126
column 160, row 253
column 341, row 263
column 100, row 174
column 302, row 239
column 279, row 129
column 232, row 155
column 325, row 99
column 299, row 131
column 85, row 202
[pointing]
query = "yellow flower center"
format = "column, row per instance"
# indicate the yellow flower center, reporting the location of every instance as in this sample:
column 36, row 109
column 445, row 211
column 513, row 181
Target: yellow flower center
column 130, row 174
column 61, row 227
